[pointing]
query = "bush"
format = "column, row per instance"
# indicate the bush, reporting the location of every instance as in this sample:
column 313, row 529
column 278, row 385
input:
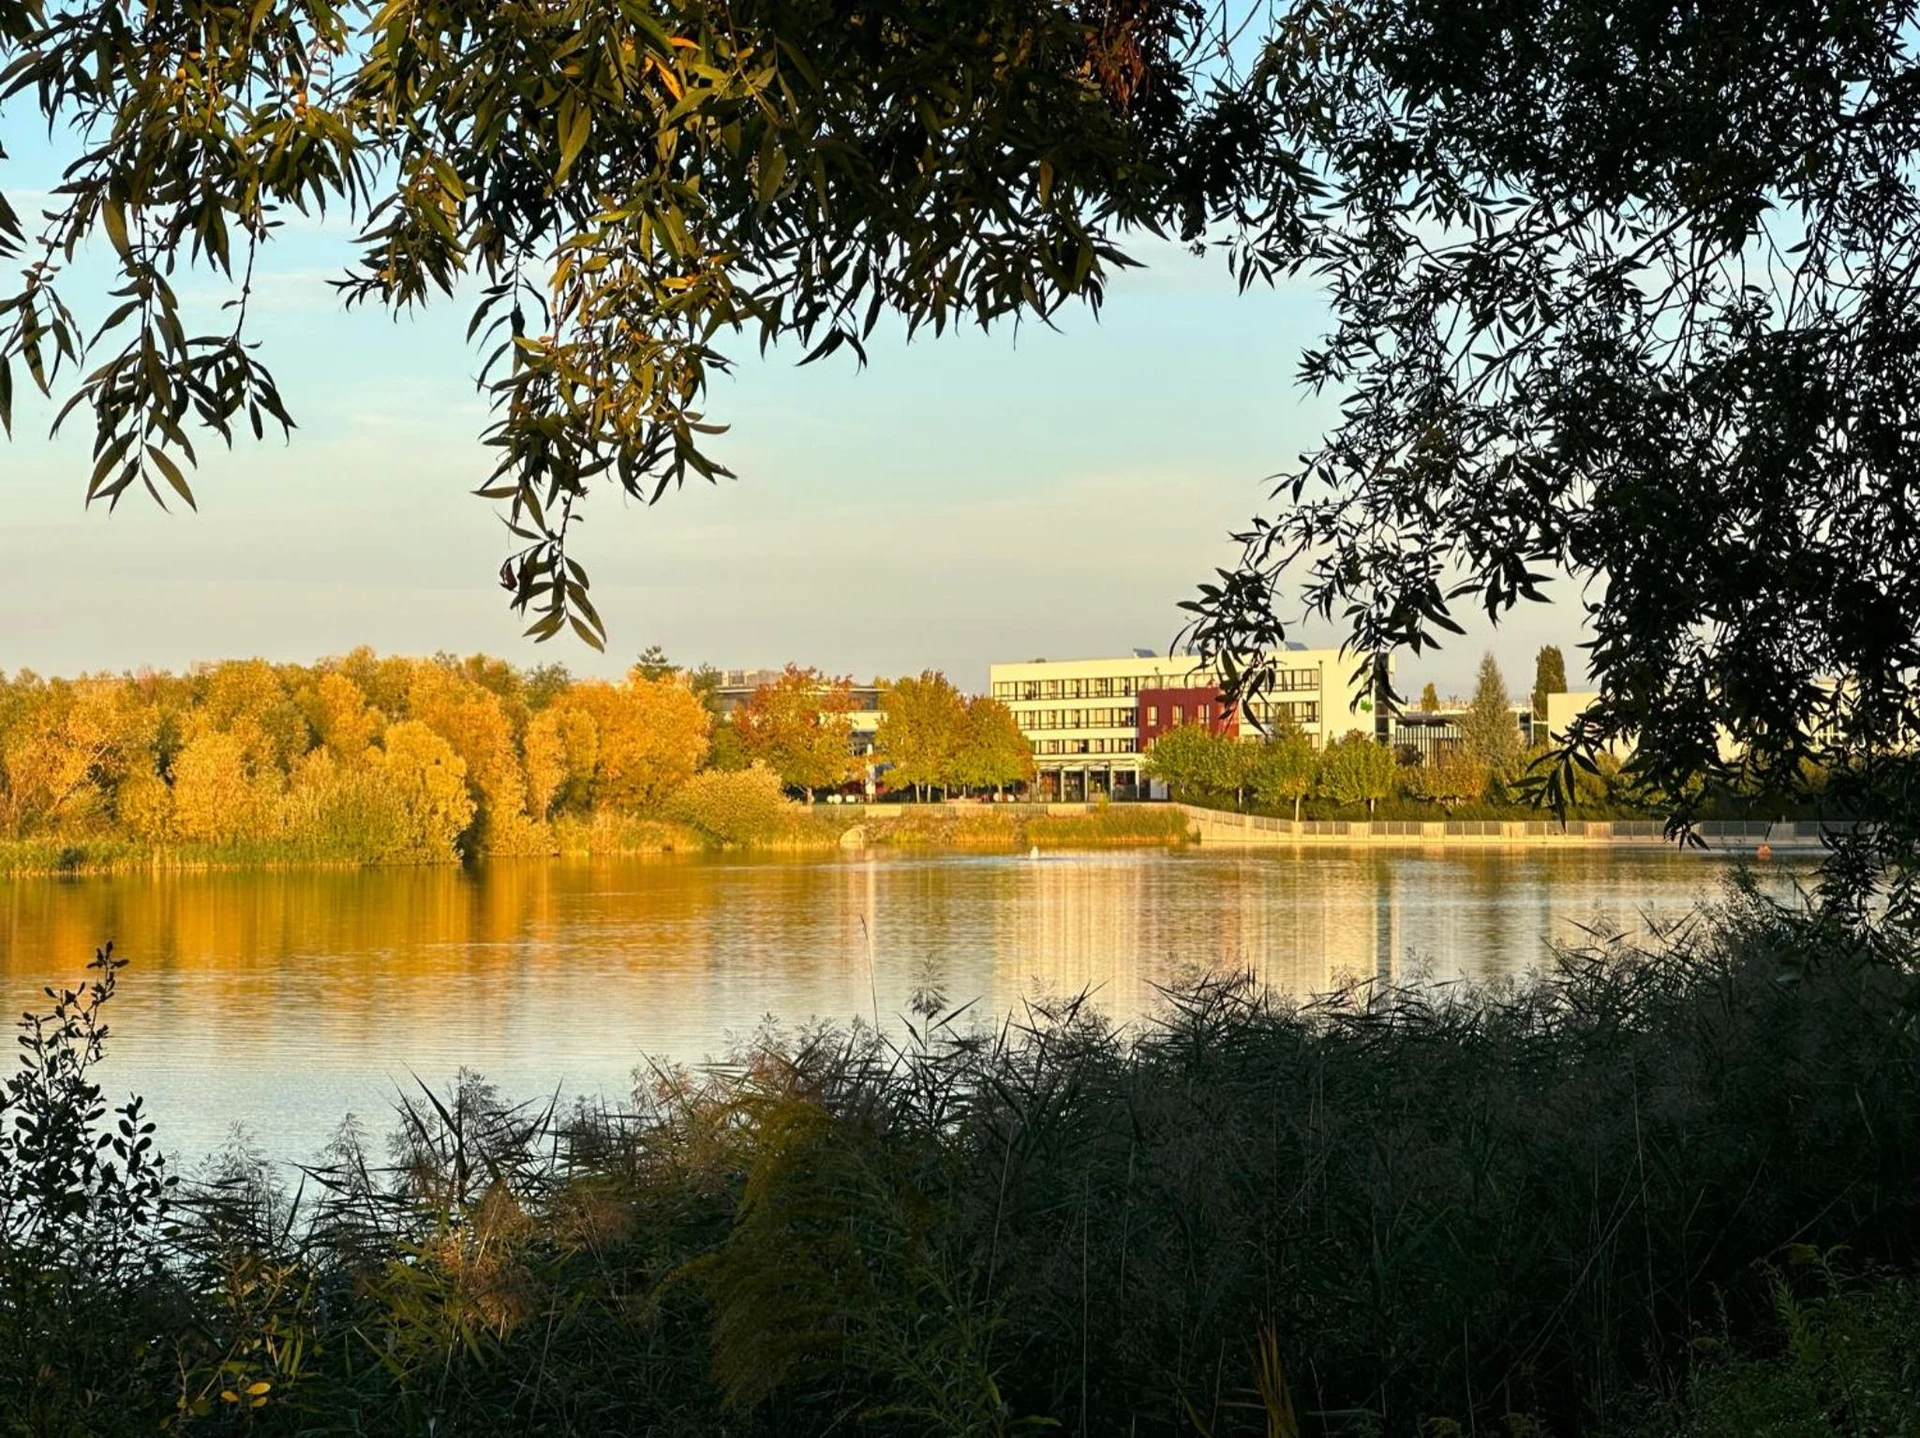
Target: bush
column 1845, row 1362
column 738, row 806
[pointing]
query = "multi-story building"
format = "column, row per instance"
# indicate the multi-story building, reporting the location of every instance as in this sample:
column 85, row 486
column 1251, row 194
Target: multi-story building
column 1091, row 721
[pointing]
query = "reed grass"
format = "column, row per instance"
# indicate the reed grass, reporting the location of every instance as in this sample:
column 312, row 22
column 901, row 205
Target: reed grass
column 1566, row 1206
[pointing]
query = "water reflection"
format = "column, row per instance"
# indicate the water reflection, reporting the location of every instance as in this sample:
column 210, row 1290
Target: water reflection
column 282, row 1000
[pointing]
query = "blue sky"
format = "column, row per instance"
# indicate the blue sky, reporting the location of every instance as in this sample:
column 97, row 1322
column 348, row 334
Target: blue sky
column 960, row 500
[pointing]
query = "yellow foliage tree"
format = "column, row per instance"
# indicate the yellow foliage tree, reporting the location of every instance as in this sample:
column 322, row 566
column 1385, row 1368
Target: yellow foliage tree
column 652, row 735
column 143, row 805
column 250, row 699
column 67, row 747
column 430, row 781
column 474, row 721
column 214, row 799
column 344, row 722
column 561, row 749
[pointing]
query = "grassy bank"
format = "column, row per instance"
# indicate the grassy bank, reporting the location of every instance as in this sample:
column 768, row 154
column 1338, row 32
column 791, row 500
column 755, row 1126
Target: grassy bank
column 1673, row 1192
column 792, row 828
column 45, row 858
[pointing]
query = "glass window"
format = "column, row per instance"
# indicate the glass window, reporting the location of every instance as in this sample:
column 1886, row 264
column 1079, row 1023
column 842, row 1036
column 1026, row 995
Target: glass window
column 1153, row 715
column 1176, row 715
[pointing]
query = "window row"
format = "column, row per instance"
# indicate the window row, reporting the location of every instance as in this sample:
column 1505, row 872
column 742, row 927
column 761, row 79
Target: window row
column 1127, row 686
column 1084, row 746
column 1123, row 686
column 1301, row 711
column 1075, row 718
column 1178, row 714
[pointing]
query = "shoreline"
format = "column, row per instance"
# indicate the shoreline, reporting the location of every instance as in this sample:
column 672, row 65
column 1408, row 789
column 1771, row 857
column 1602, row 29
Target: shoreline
column 1225, row 829
column 979, row 828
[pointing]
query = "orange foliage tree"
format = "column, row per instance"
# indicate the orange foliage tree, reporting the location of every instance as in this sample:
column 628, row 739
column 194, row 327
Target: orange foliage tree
column 801, row 727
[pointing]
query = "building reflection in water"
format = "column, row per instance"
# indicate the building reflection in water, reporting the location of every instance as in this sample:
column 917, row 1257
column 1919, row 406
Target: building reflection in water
column 281, row 1000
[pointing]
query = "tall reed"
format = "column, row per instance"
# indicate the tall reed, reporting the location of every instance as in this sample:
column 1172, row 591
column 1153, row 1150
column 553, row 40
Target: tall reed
column 1566, row 1203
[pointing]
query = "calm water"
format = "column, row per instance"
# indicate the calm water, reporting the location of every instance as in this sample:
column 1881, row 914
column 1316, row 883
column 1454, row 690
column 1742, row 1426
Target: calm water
column 280, row 1001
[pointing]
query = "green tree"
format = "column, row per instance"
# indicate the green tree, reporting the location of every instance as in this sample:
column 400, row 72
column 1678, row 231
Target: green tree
column 705, row 683
column 1549, row 677
column 1488, row 730
column 801, row 727
column 654, row 664
column 1285, row 769
column 993, row 752
column 923, row 723
column 1429, row 699
column 727, row 751
column 1194, row 761
column 544, row 684
column 1455, row 777
column 1356, row 770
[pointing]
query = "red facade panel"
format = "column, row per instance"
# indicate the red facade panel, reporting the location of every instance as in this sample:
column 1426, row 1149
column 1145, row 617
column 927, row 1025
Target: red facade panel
column 1164, row 709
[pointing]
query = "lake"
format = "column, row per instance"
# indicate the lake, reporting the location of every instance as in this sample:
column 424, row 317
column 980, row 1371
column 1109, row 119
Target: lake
column 280, row 1001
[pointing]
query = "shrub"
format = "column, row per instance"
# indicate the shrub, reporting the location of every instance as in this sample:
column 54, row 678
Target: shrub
column 732, row 806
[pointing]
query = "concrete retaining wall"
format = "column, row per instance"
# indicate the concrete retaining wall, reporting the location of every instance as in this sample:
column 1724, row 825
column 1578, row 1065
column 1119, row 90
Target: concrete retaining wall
column 1258, row 831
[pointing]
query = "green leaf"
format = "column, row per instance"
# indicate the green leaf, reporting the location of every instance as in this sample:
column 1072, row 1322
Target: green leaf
column 114, row 216
column 576, row 123
column 164, row 463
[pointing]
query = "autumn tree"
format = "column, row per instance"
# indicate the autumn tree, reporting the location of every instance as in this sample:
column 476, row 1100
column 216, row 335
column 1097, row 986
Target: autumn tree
column 562, row 753
column 801, row 727
column 923, row 729
column 732, row 806
column 1429, row 699
column 475, row 722
column 429, row 781
column 66, row 742
column 1455, row 777
column 651, row 736
column 340, row 717
column 251, row 700
column 215, row 798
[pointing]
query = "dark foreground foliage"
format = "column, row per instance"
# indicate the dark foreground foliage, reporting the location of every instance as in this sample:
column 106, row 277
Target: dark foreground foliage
column 1611, row 1201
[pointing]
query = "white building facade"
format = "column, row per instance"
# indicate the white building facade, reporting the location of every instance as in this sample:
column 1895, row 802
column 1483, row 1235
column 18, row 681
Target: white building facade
column 1090, row 721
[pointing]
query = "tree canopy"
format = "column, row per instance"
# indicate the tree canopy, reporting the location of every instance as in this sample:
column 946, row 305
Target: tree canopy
column 1622, row 293
column 1488, row 730
column 622, row 186
column 1549, row 677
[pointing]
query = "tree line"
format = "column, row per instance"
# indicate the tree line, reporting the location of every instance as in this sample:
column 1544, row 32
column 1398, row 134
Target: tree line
column 1283, row 770
column 373, row 758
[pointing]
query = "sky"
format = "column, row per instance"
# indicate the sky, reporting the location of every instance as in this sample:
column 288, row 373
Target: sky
column 960, row 500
